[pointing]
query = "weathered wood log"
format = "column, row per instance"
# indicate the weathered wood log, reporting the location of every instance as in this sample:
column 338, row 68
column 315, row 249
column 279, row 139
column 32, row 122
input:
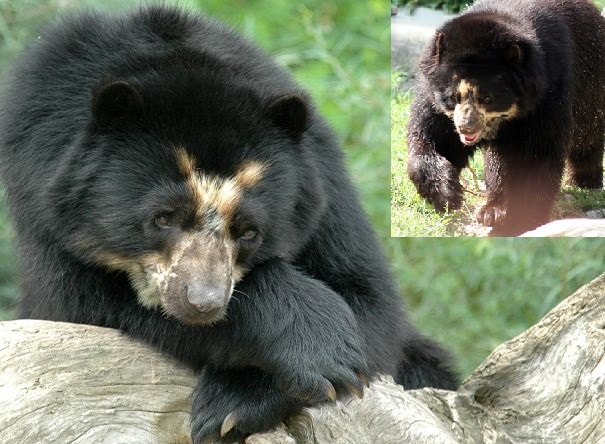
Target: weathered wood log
column 79, row 384
column 570, row 228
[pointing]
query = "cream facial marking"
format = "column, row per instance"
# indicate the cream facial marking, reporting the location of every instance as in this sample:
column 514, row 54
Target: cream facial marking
column 249, row 174
column 185, row 162
column 238, row 272
column 147, row 274
column 465, row 88
column 471, row 118
column 220, row 193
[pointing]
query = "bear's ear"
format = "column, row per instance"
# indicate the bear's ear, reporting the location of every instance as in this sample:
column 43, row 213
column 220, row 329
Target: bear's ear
column 289, row 112
column 439, row 47
column 514, row 56
column 116, row 101
column 429, row 62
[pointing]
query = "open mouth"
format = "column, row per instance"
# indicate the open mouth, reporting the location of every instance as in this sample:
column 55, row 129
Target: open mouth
column 469, row 139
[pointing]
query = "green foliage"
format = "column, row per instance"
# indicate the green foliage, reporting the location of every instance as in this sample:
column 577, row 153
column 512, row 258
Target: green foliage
column 574, row 202
column 448, row 5
column 472, row 294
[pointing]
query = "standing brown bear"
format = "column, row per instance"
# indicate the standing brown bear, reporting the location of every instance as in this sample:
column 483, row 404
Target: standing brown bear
column 526, row 81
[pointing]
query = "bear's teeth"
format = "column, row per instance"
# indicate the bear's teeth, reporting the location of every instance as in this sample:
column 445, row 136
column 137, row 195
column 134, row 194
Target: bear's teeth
column 469, row 138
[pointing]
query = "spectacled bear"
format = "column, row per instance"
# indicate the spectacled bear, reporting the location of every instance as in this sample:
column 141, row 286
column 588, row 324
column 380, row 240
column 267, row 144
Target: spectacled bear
column 168, row 179
column 525, row 79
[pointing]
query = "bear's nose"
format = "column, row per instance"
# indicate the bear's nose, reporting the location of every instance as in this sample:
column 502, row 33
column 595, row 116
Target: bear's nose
column 207, row 299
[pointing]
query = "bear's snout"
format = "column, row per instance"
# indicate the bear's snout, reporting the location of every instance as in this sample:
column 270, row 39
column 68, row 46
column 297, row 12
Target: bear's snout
column 201, row 279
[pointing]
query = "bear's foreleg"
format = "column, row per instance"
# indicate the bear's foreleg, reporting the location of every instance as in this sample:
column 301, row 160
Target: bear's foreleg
column 436, row 156
column 289, row 341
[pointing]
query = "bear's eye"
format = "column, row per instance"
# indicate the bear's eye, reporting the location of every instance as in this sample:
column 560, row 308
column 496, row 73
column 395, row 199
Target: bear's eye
column 249, row 235
column 488, row 99
column 163, row 221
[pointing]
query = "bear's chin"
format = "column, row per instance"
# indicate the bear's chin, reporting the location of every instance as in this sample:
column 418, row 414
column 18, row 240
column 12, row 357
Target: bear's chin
column 187, row 314
column 200, row 319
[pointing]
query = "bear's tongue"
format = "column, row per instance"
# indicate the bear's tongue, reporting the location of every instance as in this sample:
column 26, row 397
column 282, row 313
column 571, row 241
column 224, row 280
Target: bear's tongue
column 469, row 138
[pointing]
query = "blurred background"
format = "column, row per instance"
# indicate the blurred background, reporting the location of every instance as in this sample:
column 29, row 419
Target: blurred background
column 470, row 294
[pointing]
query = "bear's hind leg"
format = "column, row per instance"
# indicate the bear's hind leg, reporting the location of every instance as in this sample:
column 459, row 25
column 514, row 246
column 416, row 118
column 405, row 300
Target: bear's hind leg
column 585, row 164
column 426, row 364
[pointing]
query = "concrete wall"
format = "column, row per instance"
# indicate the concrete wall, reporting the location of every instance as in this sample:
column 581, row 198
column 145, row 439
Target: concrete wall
column 409, row 34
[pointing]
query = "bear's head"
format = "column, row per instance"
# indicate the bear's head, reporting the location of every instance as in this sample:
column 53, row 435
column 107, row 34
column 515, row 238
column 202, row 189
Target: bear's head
column 483, row 69
column 185, row 182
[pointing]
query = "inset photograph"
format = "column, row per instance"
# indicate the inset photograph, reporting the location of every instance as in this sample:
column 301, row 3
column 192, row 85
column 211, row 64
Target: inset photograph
column 498, row 118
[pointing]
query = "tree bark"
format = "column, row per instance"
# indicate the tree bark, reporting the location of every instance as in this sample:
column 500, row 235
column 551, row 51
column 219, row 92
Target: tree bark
column 70, row 383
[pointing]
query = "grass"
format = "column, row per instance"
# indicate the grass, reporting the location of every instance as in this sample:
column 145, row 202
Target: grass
column 407, row 207
column 575, row 202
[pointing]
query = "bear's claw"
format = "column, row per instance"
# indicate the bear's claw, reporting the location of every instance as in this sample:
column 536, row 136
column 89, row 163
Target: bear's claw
column 229, row 422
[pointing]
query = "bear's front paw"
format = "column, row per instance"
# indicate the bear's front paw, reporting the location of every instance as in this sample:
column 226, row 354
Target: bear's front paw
column 490, row 215
column 446, row 196
column 230, row 404
column 438, row 183
column 326, row 373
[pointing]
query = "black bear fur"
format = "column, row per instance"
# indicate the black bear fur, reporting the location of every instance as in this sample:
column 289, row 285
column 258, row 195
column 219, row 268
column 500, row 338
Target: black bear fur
column 123, row 139
column 537, row 68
